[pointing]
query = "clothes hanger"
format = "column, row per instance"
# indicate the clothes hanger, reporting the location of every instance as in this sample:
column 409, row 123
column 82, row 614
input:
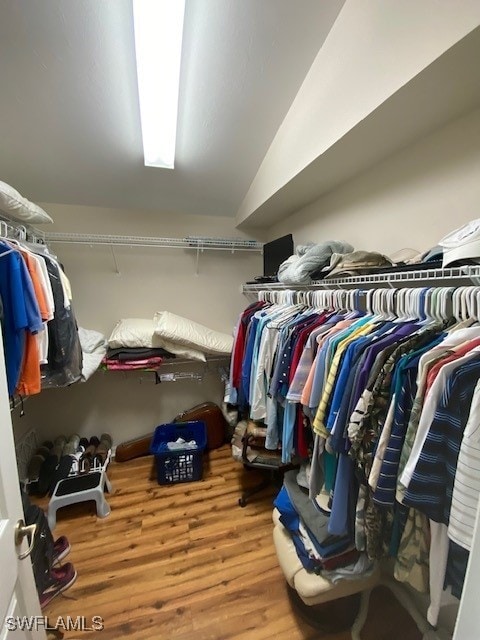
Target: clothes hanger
column 456, row 304
column 388, row 300
column 4, row 236
column 477, row 314
column 427, row 305
column 417, row 304
column 398, row 306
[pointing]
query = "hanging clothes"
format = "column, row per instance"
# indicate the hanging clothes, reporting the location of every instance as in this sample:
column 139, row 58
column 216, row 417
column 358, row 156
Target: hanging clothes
column 383, row 401
column 39, row 328
column 21, row 317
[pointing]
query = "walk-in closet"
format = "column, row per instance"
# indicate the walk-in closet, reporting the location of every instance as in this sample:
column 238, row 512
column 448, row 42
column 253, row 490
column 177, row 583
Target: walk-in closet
column 240, row 319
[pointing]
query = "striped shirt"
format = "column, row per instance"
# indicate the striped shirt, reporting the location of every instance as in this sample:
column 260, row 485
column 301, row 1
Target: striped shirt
column 455, row 337
column 466, row 488
column 428, row 412
column 431, row 487
column 384, row 493
column 318, row 423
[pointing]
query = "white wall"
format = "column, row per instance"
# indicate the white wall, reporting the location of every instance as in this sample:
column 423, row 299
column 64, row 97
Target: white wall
column 411, row 200
column 151, row 279
column 130, row 404
column 374, row 48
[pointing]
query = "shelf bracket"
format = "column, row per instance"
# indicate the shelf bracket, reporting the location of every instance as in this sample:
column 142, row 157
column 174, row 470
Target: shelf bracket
column 117, row 270
column 197, row 260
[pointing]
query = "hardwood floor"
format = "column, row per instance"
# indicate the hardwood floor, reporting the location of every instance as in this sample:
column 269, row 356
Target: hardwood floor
column 186, row 562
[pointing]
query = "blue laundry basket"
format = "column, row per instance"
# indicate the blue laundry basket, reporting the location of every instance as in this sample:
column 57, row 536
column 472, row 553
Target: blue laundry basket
column 179, row 465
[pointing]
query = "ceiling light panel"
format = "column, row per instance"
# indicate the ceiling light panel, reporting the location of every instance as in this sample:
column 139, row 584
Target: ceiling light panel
column 158, row 47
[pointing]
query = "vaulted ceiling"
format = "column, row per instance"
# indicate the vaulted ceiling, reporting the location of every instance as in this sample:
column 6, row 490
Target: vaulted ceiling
column 70, row 125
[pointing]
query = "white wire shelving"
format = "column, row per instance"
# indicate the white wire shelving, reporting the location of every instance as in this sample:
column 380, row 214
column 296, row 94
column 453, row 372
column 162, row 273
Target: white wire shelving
column 465, row 274
column 190, row 242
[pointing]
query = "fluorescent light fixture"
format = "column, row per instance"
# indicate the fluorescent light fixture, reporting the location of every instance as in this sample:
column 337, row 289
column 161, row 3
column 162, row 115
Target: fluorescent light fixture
column 158, row 47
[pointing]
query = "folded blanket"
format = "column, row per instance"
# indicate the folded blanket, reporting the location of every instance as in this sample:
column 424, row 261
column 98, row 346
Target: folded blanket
column 126, row 354
column 309, row 258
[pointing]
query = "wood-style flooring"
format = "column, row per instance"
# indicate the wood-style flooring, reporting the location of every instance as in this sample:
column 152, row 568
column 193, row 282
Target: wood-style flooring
column 185, row 562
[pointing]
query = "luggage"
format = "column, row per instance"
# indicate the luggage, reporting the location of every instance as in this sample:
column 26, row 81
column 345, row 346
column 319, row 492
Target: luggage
column 208, row 412
column 214, row 420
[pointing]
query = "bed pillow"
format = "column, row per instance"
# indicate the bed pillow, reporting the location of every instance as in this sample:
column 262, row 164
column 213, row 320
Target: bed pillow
column 172, row 327
column 140, row 332
column 15, row 206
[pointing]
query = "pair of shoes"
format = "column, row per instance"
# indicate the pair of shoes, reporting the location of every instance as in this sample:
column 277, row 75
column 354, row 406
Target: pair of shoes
column 62, row 471
column 46, row 476
column 61, row 549
column 61, row 579
column 38, row 458
column 36, row 461
column 103, row 448
column 58, row 445
column 72, row 445
column 95, row 453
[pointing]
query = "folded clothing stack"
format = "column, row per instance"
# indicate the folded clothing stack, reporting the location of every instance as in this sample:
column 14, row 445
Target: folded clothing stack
column 132, row 358
column 333, row 556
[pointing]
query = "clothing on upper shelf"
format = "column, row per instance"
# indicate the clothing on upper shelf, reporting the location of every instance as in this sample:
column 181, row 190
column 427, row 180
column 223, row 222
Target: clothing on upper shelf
column 38, row 324
column 386, row 409
column 126, row 354
column 134, row 358
column 131, row 365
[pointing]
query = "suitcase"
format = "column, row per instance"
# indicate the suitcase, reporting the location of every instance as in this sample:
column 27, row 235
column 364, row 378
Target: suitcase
column 208, row 412
column 214, row 420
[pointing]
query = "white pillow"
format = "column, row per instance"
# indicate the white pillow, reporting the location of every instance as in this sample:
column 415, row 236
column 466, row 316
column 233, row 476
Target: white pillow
column 140, row 332
column 172, row 327
column 15, row 206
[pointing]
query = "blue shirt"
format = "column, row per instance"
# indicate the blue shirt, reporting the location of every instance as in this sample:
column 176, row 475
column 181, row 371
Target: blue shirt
column 21, row 311
column 247, row 358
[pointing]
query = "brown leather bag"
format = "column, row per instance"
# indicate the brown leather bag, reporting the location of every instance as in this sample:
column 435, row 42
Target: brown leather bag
column 214, row 420
column 208, row 412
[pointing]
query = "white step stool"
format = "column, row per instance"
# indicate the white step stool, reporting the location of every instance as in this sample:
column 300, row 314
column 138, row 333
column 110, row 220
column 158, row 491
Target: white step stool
column 80, row 489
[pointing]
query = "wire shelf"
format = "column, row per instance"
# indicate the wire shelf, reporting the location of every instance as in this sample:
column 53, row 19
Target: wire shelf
column 468, row 274
column 189, row 242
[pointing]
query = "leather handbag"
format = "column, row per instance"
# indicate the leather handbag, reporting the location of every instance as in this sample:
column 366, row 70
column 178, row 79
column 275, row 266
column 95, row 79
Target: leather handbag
column 212, row 416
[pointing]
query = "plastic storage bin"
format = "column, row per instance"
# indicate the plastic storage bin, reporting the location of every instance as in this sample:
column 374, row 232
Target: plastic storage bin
column 180, row 465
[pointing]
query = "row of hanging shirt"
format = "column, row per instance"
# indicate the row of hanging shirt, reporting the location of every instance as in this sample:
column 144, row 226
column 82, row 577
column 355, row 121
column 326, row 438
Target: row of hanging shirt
column 40, row 337
column 379, row 390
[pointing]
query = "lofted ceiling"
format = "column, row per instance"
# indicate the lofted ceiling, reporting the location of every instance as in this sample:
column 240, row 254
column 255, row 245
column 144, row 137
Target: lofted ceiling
column 70, row 125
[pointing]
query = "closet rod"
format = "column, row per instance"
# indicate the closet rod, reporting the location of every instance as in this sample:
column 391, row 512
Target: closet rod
column 17, row 231
column 189, row 242
column 469, row 273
